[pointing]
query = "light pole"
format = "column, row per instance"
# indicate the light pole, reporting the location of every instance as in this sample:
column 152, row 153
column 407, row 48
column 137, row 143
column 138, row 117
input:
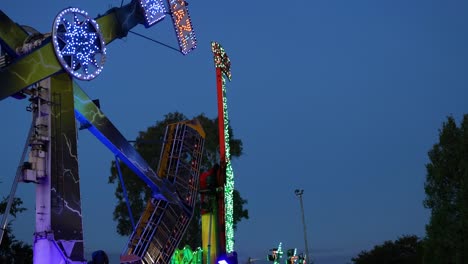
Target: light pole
column 299, row 194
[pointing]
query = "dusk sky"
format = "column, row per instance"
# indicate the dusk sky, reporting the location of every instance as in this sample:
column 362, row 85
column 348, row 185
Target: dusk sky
column 340, row 98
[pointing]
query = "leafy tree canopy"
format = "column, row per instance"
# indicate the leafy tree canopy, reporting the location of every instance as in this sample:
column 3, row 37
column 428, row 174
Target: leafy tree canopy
column 405, row 250
column 12, row 250
column 149, row 144
column 446, row 189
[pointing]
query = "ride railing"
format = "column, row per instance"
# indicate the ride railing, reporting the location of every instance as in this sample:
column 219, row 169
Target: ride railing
column 163, row 224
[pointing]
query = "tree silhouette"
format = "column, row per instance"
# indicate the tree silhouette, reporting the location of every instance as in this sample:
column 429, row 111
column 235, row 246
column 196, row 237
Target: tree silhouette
column 447, row 195
column 405, row 250
column 12, row 250
column 149, row 144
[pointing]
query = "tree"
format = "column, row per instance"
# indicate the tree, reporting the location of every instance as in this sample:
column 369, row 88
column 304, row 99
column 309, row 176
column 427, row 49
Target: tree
column 12, row 250
column 405, row 250
column 446, row 190
column 149, row 144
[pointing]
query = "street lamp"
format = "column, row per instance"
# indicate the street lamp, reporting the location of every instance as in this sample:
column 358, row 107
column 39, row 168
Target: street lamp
column 299, row 194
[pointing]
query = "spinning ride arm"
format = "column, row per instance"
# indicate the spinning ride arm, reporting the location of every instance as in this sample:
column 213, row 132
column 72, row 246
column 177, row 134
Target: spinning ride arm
column 91, row 117
column 35, row 66
column 42, row 63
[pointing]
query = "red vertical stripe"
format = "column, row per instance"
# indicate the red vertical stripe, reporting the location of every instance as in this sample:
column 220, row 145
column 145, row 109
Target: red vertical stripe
column 222, row 161
column 222, row 146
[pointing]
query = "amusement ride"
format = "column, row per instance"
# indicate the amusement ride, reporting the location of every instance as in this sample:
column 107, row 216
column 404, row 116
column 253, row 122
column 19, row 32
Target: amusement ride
column 42, row 68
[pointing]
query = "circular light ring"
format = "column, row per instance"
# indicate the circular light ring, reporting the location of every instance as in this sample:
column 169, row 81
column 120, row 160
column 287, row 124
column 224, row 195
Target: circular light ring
column 78, row 43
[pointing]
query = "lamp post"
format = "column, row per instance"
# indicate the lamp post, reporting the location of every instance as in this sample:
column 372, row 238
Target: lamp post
column 299, row 194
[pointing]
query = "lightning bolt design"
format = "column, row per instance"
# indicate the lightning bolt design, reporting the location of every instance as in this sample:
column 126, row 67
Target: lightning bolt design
column 70, row 172
column 110, row 136
column 65, row 203
column 39, row 64
column 71, row 209
column 30, row 69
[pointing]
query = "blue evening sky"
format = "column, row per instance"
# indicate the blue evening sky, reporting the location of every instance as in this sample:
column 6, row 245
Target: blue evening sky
column 340, row 98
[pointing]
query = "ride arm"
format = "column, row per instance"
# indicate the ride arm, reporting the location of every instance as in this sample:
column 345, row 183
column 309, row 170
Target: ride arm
column 42, row 62
column 29, row 69
column 118, row 21
column 91, row 117
column 11, row 35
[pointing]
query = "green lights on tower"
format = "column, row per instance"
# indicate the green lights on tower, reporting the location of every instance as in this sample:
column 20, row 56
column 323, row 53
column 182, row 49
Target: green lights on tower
column 223, row 71
column 229, row 187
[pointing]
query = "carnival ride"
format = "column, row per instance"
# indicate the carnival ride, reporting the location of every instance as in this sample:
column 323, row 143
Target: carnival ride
column 217, row 184
column 41, row 67
column 291, row 256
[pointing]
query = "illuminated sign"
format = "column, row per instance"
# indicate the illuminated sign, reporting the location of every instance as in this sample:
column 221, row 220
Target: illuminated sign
column 153, row 10
column 183, row 25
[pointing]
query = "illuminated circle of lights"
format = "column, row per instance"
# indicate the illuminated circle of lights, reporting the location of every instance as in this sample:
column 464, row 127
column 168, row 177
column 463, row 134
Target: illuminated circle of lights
column 78, row 43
